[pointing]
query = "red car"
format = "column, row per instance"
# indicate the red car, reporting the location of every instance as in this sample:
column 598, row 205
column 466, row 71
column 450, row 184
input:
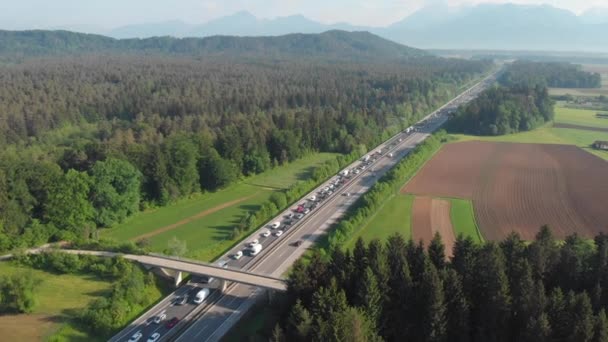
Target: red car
column 173, row 322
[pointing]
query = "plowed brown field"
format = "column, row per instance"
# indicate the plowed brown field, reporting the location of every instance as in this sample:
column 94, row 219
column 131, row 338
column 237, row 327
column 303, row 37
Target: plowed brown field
column 431, row 216
column 520, row 187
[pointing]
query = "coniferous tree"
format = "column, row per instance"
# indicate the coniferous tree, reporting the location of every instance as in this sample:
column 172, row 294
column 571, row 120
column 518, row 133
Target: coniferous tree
column 600, row 332
column 432, row 308
column 369, row 297
column 458, row 310
column 437, row 251
column 299, row 322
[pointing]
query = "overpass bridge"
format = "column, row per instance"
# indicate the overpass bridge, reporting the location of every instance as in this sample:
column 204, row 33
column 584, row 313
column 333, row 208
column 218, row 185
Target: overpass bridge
column 177, row 266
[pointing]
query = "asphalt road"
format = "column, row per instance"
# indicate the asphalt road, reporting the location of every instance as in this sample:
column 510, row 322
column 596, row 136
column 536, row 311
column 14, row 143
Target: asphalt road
column 210, row 320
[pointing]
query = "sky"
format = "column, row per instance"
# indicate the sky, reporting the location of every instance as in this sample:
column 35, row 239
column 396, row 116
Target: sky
column 107, row 14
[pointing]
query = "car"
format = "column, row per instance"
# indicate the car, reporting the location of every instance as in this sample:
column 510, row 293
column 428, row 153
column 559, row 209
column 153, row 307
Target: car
column 237, row 255
column 266, row 233
column 154, row 337
column 347, row 194
column 253, row 243
column 173, row 322
column 160, row 317
column 276, row 225
column 150, row 320
column 299, row 216
column 136, row 337
column 297, row 243
column 306, row 211
column 290, row 215
column 278, row 233
column 181, row 300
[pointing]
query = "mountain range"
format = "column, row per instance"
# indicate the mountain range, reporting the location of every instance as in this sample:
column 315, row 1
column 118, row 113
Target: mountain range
column 330, row 45
column 486, row 26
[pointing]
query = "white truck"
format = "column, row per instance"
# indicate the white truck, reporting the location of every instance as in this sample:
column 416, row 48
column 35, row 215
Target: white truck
column 344, row 173
column 201, row 295
column 255, row 249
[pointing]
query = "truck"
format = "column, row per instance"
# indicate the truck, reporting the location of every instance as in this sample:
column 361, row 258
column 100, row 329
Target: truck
column 201, row 295
column 365, row 159
column 254, row 250
column 344, row 173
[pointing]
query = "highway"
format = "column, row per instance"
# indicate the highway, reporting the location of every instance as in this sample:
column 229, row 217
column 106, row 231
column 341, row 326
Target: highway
column 212, row 319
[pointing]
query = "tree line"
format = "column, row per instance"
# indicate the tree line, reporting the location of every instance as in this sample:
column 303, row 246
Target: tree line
column 87, row 142
column 546, row 290
column 550, row 74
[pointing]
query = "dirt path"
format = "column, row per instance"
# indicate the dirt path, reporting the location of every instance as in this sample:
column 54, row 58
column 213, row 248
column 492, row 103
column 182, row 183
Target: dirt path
column 192, row 218
column 442, row 222
column 421, row 220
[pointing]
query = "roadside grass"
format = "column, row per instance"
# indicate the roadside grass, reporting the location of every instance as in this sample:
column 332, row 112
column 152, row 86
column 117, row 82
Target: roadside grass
column 463, row 219
column 395, row 216
column 59, row 299
column 207, row 237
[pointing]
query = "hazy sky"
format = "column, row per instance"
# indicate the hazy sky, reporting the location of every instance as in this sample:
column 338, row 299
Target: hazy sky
column 22, row 14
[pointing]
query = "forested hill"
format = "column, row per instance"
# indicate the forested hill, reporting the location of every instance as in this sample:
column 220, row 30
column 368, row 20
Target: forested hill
column 342, row 45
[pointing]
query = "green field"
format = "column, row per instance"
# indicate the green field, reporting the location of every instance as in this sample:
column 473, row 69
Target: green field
column 550, row 135
column 208, row 234
column 59, row 298
column 463, row 219
column 395, row 216
column 581, row 117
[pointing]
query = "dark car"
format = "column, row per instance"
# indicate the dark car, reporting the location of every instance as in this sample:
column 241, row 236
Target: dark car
column 297, row 243
column 173, row 322
column 181, row 300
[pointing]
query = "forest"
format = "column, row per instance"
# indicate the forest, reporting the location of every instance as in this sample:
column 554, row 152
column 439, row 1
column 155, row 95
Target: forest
column 87, row 141
column 550, row 74
column 511, row 290
column 520, row 102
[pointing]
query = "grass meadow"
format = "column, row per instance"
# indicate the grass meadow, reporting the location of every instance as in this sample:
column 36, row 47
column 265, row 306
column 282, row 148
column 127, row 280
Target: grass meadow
column 463, row 219
column 59, row 299
column 206, row 221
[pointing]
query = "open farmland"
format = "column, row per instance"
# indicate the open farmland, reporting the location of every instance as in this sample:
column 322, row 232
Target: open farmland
column 520, row 187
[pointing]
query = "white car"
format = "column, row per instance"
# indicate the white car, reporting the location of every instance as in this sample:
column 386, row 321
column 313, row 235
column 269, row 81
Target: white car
column 154, row 337
column 306, row 211
column 161, row 317
column 278, row 233
column 290, row 215
column 136, row 337
column 266, row 233
column 253, row 243
column 238, row 255
column 276, row 225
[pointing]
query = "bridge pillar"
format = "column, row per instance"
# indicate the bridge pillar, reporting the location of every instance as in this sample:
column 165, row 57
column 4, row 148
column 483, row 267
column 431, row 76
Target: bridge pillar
column 223, row 285
column 177, row 278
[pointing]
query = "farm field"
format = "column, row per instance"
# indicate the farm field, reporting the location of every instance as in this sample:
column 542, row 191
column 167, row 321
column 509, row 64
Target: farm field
column 59, row 298
column 432, row 215
column 463, row 219
column 206, row 221
column 551, row 135
column 520, row 187
column 393, row 217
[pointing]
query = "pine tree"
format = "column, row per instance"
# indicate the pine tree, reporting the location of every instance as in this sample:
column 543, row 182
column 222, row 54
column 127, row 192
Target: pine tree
column 458, row 311
column 437, row 251
column 581, row 315
column 399, row 299
column 463, row 261
column 299, row 322
column 538, row 329
column 369, row 298
column 600, row 332
column 432, row 309
column 543, row 253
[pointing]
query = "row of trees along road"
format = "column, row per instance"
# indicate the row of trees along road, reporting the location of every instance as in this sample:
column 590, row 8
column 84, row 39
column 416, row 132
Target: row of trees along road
column 86, row 142
column 546, row 290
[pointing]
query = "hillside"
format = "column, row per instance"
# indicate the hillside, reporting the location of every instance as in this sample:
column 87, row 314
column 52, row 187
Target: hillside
column 356, row 46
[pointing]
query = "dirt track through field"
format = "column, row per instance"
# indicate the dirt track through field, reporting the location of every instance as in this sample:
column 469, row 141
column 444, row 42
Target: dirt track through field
column 520, row 187
column 584, row 128
column 431, row 215
column 192, row 218
column 442, row 222
column 421, row 220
